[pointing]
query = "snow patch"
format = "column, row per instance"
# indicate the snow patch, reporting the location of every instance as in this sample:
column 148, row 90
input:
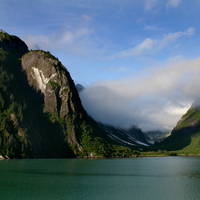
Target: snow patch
column 137, row 141
column 41, row 79
column 114, row 136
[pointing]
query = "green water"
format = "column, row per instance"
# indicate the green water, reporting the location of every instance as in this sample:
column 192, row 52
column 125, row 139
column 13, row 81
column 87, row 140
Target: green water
column 170, row 178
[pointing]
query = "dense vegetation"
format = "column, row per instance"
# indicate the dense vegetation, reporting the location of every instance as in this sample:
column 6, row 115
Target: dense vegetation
column 14, row 140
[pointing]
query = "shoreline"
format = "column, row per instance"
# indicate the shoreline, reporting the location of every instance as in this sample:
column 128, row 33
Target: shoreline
column 102, row 157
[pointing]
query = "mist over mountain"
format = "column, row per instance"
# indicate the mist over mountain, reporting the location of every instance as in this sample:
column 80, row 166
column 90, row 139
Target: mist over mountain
column 79, row 87
column 152, row 102
column 185, row 136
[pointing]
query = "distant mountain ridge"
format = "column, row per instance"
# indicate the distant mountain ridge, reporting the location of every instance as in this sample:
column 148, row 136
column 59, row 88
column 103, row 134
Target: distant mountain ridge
column 156, row 136
column 127, row 137
column 79, row 88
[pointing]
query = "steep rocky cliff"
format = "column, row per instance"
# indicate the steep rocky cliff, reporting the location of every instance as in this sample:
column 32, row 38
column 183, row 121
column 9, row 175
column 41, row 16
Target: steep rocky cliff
column 48, row 76
column 41, row 112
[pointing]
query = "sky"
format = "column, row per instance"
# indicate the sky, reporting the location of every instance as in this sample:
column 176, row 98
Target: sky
column 139, row 61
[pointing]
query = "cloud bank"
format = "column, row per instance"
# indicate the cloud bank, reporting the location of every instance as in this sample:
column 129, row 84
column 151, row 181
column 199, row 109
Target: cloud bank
column 153, row 101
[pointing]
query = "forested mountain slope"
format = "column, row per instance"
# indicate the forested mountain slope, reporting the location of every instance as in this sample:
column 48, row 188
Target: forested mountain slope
column 185, row 137
column 41, row 114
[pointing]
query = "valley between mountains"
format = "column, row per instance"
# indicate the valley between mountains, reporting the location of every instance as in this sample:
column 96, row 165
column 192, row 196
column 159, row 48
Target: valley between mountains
column 41, row 114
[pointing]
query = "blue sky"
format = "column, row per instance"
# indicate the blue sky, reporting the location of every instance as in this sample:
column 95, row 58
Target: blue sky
column 95, row 40
column 118, row 45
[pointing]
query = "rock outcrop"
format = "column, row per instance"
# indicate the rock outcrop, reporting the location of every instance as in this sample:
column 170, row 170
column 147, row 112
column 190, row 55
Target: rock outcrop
column 46, row 74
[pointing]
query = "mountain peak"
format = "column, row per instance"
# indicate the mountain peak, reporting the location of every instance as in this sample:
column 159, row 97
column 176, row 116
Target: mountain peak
column 79, row 88
column 2, row 31
column 12, row 42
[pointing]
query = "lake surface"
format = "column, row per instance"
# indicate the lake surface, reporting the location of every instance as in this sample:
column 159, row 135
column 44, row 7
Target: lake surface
column 156, row 178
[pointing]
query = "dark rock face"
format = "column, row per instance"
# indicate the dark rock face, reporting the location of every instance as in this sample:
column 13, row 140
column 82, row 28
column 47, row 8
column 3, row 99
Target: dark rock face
column 46, row 106
column 48, row 76
column 53, row 80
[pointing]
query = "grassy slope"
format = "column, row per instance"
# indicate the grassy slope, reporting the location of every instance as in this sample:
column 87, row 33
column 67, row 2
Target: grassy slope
column 193, row 147
column 185, row 137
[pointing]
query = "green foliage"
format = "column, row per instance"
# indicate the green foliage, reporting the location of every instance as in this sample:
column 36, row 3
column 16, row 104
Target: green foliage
column 11, row 143
column 185, row 138
column 47, row 54
column 90, row 138
column 192, row 116
column 159, row 152
column 193, row 147
column 5, row 36
column 54, row 85
column 3, row 54
column 96, row 142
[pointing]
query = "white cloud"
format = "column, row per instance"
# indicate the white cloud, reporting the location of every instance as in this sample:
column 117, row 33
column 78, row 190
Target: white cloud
column 147, row 44
column 149, row 4
column 172, row 37
column 153, row 101
column 154, row 45
column 74, row 41
column 173, row 3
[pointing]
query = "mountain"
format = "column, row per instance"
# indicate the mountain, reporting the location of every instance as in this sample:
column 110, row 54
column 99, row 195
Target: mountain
column 156, row 136
column 41, row 114
column 185, row 137
column 131, row 137
column 79, row 88
column 127, row 137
